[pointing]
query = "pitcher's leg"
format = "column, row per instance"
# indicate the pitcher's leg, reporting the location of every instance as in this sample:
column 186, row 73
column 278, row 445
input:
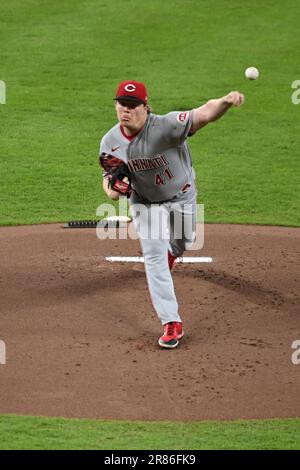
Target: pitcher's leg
column 159, row 280
column 151, row 223
column 182, row 226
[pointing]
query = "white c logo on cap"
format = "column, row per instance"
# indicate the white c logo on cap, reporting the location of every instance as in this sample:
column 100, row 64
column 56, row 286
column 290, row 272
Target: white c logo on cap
column 130, row 87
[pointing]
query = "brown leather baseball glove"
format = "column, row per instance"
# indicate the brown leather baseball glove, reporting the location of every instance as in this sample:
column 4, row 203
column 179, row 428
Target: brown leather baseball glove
column 117, row 172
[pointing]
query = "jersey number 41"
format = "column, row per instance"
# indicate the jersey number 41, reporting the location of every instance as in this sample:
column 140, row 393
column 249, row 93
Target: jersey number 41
column 162, row 179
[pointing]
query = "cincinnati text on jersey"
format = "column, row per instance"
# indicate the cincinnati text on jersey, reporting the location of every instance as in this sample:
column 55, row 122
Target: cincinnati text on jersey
column 142, row 164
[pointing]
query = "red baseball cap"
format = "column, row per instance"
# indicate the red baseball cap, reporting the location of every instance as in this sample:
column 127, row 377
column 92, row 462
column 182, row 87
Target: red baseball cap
column 133, row 91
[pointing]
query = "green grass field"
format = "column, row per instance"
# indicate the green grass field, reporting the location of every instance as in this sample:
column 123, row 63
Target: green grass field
column 41, row 433
column 62, row 61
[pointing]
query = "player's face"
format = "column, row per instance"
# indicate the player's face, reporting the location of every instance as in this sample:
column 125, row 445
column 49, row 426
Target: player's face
column 131, row 115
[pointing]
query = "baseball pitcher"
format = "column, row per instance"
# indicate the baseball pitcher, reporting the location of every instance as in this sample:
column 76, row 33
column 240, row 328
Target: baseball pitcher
column 146, row 157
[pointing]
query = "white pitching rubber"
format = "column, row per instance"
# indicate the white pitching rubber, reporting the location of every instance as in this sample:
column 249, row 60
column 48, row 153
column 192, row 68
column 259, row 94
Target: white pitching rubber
column 140, row 259
column 118, row 218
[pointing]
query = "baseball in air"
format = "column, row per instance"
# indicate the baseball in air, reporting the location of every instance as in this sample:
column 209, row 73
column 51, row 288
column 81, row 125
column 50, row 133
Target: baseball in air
column 252, row 73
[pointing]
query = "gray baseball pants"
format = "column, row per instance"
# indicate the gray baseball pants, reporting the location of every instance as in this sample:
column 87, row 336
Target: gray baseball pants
column 161, row 227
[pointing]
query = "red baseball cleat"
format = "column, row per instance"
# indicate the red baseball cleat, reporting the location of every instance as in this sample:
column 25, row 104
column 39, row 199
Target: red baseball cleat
column 172, row 333
column 172, row 260
column 179, row 329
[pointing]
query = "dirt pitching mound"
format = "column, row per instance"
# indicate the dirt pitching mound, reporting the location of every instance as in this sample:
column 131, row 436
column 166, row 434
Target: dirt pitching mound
column 81, row 334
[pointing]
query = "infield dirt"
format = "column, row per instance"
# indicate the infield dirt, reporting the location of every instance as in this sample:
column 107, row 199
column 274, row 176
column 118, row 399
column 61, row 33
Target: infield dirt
column 81, row 334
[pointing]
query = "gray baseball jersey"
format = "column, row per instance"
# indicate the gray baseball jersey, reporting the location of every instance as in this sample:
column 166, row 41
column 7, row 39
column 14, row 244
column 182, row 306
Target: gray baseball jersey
column 158, row 156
